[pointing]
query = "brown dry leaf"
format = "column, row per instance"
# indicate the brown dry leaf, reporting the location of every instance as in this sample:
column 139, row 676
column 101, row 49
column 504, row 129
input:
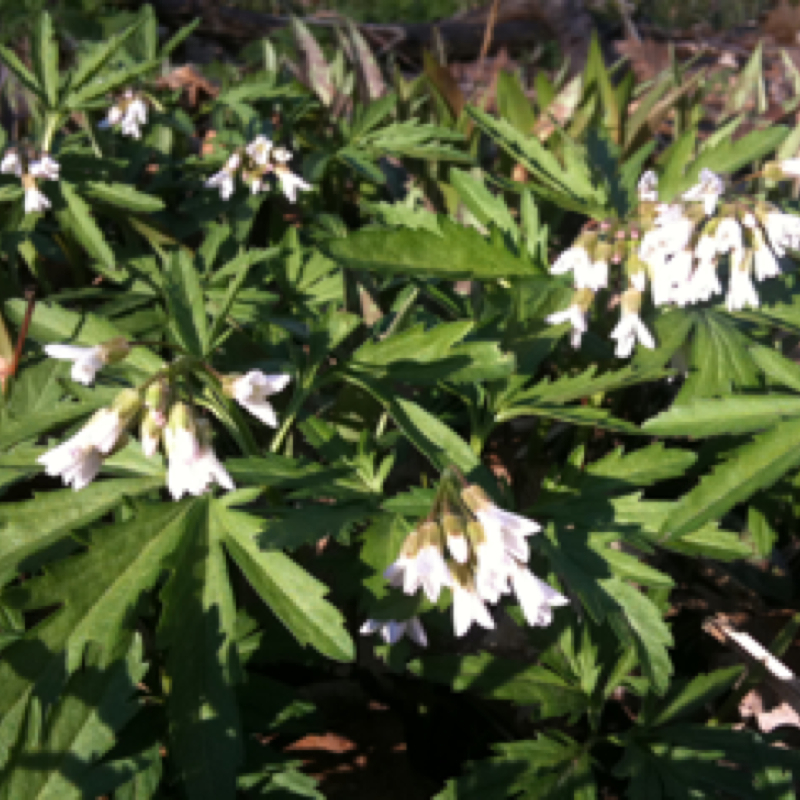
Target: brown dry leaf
column 441, row 77
column 783, row 23
column 648, row 57
column 188, row 79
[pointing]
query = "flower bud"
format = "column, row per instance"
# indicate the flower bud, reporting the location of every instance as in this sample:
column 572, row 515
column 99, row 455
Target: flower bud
column 115, row 350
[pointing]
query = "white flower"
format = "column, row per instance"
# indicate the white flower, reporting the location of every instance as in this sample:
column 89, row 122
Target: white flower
column 703, row 283
column 252, row 390
column 290, row 183
column 765, row 265
column 431, row 573
column 536, row 598
column 45, row 167
column 509, row 528
column 791, row 167
column 86, row 360
column 113, row 116
column 576, row 316
column 137, row 111
column 392, row 631
column 638, row 280
column 665, row 241
column 741, row 291
column 259, row 150
column 468, row 608
column 282, row 155
column 728, row 235
column 224, row 179
column 11, row 164
column 574, row 259
column 187, row 474
column 74, row 460
column 630, row 328
column 35, row 201
column 708, row 189
column 648, row 186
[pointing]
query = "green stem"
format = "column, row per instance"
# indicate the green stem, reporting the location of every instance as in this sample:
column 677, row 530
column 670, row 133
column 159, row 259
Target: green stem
column 50, row 128
column 288, row 420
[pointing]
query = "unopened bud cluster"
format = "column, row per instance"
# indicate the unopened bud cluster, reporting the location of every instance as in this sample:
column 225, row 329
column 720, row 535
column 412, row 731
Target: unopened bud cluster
column 678, row 249
column 254, row 165
column 164, row 418
column 478, row 551
column 31, row 166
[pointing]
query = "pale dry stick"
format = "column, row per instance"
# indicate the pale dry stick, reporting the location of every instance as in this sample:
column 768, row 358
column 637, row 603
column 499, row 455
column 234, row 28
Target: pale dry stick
column 778, row 675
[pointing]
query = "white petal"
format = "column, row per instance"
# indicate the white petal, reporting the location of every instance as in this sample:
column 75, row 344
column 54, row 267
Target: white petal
column 458, row 546
column 416, row 632
column 261, row 409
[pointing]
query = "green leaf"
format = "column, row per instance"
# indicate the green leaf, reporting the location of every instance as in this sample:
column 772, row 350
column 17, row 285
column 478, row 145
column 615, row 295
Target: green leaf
column 186, row 303
column 502, row 679
column 95, row 704
column 95, row 60
column 45, row 58
column 294, row 596
column 727, row 157
column 689, row 696
column 30, row 526
column 79, row 220
column 458, row 252
column 123, row 196
column 22, row 73
column 16, row 429
column 198, row 630
column 96, row 595
column 728, row 415
column 586, row 564
column 749, row 468
column 487, row 207
column 52, row 323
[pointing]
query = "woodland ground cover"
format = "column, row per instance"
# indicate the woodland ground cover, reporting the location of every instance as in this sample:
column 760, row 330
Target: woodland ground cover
column 490, row 408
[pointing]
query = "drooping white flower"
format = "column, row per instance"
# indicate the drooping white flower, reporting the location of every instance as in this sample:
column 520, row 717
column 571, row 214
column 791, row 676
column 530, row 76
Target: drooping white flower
column 741, row 291
column 392, row 630
column 225, row 178
column 45, row 167
column 574, row 259
column 704, row 282
column 112, row 118
column 252, row 390
column 638, row 280
column 290, row 183
column 630, row 328
column 75, row 461
column 576, row 316
column 259, row 150
column 648, row 187
column 11, row 164
column 765, row 265
column 105, row 429
column 35, row 201
column 156, row 401
column 193, row 466
column 454, row 529
column 468, row 607
column 729, row 235
column 87, row 361
column 790, row 167
column 536, row 598
column 708, row 189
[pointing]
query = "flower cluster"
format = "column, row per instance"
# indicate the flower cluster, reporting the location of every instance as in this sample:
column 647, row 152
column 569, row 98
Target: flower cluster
column 259, row 160
column 129, row 112
column 678, row 248
column 478, row 551
column 193, row 467
column 31, row 167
